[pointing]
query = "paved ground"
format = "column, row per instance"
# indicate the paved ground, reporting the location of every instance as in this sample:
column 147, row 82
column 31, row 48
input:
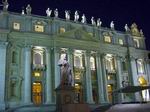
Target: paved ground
column 130, row 108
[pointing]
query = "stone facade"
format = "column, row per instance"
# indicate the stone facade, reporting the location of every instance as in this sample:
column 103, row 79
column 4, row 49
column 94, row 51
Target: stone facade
column 102, row 60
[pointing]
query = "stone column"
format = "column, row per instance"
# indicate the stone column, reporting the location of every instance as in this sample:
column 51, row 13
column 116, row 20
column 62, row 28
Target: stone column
column 148, row 69
column 104, row 78
column 134, row 71
column 3, row 47
column 27, row 75
column 100, row 79
column 119, row 78
column 134, row 77
column 89, row 96
column 70, row 60
column 48, row 77
column 57, row 68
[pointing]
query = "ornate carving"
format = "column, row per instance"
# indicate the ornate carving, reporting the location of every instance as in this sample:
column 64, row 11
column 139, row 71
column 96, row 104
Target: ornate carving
column 134, row 30
column 15, row 87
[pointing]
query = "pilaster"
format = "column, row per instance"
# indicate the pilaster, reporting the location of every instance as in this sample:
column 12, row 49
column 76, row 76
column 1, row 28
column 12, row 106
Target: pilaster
column 3, row 48
column 57, row 68
column 48, row 77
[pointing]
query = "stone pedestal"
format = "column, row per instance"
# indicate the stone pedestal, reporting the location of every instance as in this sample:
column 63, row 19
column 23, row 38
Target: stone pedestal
column 65, row 100
column 64, row 95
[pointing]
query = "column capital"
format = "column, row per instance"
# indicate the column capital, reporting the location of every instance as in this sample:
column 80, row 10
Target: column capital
column 48, row 49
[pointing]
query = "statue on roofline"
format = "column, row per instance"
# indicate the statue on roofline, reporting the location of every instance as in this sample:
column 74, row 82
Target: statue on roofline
column 76, row 16
column 93, row 21
column 56, row 13
column 83, row 19
column 28, row 9
column 99, row 22
column 112, row 25
column 127, row 29
column 67, row 15
column 5, row 5
column 48, row 12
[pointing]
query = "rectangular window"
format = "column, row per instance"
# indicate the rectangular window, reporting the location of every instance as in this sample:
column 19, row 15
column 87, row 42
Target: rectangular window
column 120, row 41
column 16, row 26
column 39, row 28
column 107, row 39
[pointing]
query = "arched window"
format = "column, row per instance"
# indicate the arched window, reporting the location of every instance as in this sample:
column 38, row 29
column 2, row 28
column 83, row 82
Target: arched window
column 140, row 66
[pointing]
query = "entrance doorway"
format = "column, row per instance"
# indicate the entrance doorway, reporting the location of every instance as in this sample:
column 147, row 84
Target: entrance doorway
column 37, row 93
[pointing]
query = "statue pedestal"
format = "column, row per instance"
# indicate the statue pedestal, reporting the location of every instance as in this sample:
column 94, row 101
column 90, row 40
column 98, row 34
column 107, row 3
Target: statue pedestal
column 64, row 95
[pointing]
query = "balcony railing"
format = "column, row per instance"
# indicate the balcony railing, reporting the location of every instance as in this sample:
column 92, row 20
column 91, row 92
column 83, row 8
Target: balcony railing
column 39, row 67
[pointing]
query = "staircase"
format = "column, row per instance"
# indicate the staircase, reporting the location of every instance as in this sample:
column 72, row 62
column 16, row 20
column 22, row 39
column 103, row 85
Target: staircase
column 33, row 108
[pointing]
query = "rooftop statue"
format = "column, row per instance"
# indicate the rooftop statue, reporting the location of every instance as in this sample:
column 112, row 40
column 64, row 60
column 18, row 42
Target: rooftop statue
column 83, row 19
column 67, row 15
column 5, row 5
column 66, row 73
column 127, row 29
column 112, row 26
column 28, row 9
column 22, row 11
column 141, row 32
column 56, row 13
column 76, row 16
column 48, row 12
column 99, row 22
column 93, row 21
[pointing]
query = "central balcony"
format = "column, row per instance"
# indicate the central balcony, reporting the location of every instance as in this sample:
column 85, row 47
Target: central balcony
column 38, row 67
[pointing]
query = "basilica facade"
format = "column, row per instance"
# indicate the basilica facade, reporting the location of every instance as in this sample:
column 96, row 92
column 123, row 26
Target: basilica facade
column 102, row 60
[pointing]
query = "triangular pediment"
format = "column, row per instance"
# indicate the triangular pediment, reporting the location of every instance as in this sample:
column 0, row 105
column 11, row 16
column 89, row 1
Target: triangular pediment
column 79, row 34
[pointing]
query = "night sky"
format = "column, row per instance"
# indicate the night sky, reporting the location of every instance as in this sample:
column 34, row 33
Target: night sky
column 120, row 11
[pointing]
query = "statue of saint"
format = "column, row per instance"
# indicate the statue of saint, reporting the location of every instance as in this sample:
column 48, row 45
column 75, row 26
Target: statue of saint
column 56, row 13
column 67, row 15
column 83, row 19
column 99, row 22
column 48, row 12
column 93, row 21
column 112, row 26
column 66, row 72
column 28, row 9
column 76, row 16
column 5, row 5
column 126, row 28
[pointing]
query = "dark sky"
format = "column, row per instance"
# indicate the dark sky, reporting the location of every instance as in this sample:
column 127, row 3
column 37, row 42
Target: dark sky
column 120, row 11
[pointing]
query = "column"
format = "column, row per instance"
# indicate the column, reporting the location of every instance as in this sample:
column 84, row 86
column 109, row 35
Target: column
column 100, row 79
column 70, row 60
column 104, row 78
column 57, row 68
column 89, row 96
column 134, row 78
column 147, row 67
column 119, row 78
column 48, row 77
column 27, row 75
column 134, row 71
column 3, row 47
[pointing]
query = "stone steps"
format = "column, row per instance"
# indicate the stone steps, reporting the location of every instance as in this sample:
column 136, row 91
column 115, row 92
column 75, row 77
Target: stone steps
column 33, row 108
